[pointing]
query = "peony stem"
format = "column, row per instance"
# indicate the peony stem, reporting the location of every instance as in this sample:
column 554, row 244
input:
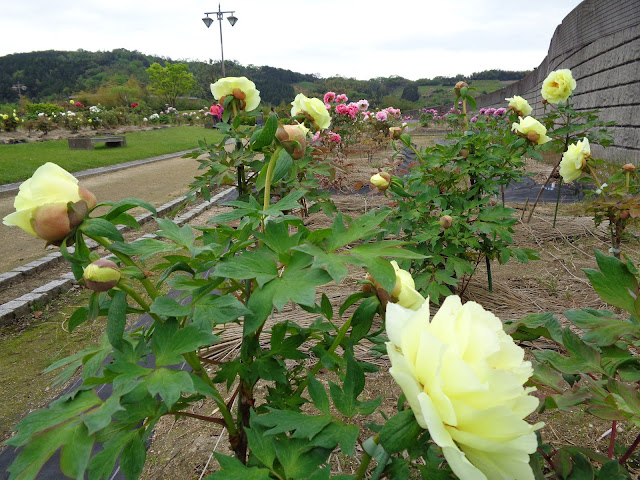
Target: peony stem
column 555, row 213
column 219, row 421
column 612, row 439
column 464, row 110
column 148, row 286
column 547, row 458
column 195, row 364
column 341, row 333
column 631, row 449
column 269, row 176
column 595, row 176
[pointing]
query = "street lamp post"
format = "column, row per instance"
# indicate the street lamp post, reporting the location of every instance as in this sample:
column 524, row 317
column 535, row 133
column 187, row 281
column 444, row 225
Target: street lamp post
column 220, row 14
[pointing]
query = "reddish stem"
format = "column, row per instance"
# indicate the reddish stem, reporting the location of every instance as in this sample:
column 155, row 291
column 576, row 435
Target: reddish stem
column 612, row 440
column 219, row 421
column 628, row 453
column 547, row 458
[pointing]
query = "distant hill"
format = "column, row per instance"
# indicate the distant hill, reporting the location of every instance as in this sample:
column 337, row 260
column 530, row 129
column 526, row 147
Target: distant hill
column 120, row 76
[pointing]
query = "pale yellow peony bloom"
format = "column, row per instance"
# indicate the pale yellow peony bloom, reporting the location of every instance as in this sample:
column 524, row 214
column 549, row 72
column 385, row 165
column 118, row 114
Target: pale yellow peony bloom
column 574, row 160
column 381, row 180
column 313, row 109
column 463, row 378
column 558, row 86
column 532, row 129
column 519, row 105
column 41, row 203
column 405, row 289
column 240, row 87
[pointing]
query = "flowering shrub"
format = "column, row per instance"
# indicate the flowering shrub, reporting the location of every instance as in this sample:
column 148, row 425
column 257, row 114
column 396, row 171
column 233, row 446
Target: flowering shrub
column 466, row 386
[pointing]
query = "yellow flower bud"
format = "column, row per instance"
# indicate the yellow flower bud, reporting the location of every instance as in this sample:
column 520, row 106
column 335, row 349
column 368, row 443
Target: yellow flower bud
column 101, row 275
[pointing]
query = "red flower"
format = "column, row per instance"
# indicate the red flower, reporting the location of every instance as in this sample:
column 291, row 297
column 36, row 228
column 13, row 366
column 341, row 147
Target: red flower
column 78, row 104
column 134, row 104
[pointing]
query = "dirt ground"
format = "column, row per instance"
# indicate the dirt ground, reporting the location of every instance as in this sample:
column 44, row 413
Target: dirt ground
column 183, row 448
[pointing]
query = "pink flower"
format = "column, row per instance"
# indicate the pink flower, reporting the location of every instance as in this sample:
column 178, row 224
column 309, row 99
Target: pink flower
column 500, row 111
column 382, row 115
column 329, row 97
column 363, row 105
column 334, row 137
column 327, row 106
column 342, row 98
column 342, row 109
column 316, row 136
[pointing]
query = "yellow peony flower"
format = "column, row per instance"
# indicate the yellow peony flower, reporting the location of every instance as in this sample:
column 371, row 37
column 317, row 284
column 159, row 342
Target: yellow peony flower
column 405, row 289
column 241, row 88
column 519, row 105
column 558, row 86
column 463, row 378
column 381, row 180
column 532, row 129
column 574, row 160
column 42, row 204
column 313, row 109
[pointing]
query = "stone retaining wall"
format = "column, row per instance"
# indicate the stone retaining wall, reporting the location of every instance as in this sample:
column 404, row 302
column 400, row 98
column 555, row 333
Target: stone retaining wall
column 600, row 42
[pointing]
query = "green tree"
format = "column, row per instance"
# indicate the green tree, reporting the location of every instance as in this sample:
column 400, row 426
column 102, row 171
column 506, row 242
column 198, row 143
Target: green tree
column 411, row 93
column 170, row 81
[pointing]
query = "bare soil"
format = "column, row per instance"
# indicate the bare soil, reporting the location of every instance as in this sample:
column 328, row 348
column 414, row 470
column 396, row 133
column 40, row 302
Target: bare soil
column 183, row 448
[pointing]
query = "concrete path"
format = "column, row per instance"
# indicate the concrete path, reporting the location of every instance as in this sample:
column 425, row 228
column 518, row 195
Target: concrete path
column 156, row 180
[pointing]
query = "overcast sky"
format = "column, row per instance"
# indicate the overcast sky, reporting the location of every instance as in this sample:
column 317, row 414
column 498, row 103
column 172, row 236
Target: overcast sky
column 353, row 38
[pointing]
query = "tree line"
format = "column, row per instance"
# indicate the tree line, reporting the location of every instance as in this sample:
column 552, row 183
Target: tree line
column 55, row 75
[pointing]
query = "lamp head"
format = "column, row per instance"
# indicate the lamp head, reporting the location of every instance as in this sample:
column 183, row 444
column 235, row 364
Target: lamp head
column 207, row 21
column 232, row 19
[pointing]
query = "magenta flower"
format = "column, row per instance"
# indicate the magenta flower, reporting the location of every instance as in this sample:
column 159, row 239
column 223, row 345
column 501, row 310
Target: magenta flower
column 329, row 97
column 342, row 98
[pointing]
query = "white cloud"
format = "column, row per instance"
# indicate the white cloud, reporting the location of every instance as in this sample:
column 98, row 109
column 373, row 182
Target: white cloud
column 354, row 38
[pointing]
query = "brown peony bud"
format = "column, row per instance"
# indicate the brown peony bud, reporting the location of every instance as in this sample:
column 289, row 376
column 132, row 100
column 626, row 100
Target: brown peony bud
column 395, row 132
column 101, row 275
column 464, row 153
column 625, row 214
column 446, row 221
column 459, row 86
column 629, row 167
column 289, row 135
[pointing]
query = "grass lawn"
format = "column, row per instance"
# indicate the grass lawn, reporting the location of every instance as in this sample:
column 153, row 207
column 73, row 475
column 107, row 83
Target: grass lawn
column 19, row 161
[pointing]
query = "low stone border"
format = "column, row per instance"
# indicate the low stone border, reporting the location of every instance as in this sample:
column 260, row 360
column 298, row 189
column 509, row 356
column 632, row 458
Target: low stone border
column 21, row 306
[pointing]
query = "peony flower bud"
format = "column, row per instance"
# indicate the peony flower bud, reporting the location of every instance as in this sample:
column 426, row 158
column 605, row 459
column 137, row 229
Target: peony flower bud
column 50, row 204
column 464, row 153
column 381, row 180
column 289, row 135
column 629, row 167
column 446, row 221
column 101, row 275
column 625, row 214
column 404, row 291
column 459, row 86
column 395, row 132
